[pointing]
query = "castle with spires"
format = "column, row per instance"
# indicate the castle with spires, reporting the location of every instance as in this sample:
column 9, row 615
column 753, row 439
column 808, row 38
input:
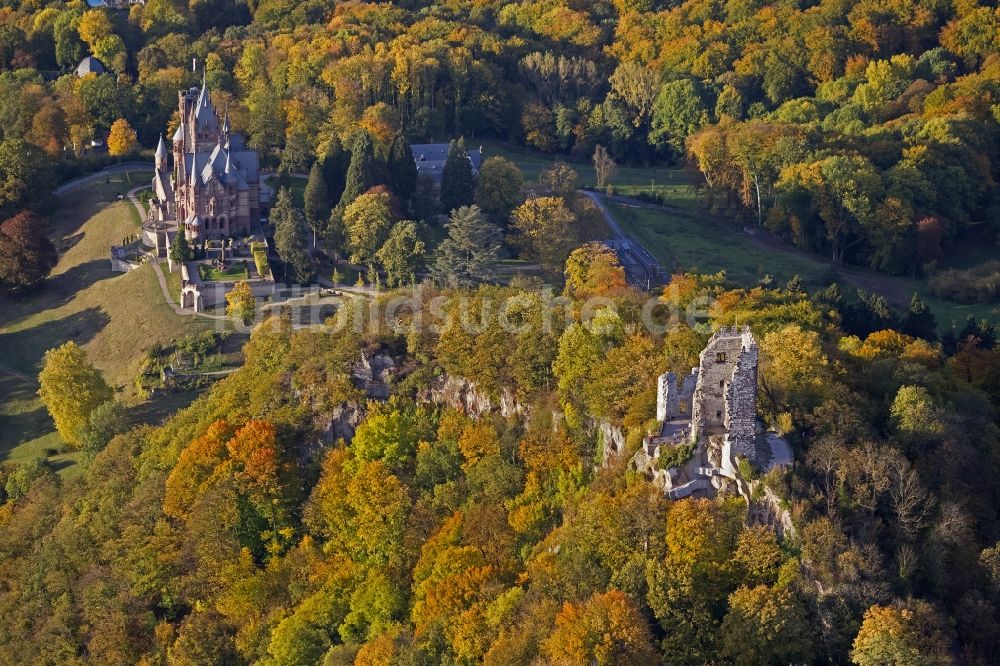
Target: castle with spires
column 212, row 190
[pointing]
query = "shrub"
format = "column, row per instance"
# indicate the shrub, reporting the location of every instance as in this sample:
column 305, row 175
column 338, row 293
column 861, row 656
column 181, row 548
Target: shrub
column 259, row 252
column 980, row 283
column 674, row 456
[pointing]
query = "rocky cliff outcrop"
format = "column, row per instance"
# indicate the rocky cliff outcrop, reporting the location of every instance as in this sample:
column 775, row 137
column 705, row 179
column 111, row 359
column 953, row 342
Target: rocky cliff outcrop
column 459, row 393
column 342, row 422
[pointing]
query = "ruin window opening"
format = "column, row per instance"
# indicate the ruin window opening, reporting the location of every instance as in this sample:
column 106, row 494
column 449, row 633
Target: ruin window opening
column 720, row 357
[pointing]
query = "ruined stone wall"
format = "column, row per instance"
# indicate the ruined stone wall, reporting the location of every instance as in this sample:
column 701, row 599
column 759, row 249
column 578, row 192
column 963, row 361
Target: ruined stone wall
column 673, row 398
column 718, row 363
column 741, row 400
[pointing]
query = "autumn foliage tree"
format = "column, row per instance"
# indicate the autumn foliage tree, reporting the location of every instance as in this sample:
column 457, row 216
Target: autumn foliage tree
column 594, row 270
column 122, row 138
column 26, row 254
column 241, row 304
column 605, row 629
column 71, row 389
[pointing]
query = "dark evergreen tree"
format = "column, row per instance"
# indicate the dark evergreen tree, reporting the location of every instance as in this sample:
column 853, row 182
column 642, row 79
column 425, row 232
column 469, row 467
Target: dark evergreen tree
column 920, row 321
column 871, row 313
column 335, row 236
column 290, row 237
column 402, row 169
column 458, row 185
column 180, row 249
column 316, row 202
column 466, row 256
column 335, row 164
column 981, row 331
column 362, row 174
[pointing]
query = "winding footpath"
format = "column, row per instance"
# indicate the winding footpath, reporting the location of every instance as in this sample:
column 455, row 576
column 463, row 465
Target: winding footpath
column 185, row 312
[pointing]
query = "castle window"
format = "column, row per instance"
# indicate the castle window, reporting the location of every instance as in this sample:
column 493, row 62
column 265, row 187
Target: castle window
column 718, row 414
column 722, row 383
column 720, row 357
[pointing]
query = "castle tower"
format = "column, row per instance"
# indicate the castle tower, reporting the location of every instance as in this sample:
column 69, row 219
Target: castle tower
column 161, row 155
column 726, row 394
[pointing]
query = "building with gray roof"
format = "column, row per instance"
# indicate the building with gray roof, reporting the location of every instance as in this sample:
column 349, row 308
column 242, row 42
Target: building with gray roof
column 431, row 157
column 212, row 190
column 90, row 65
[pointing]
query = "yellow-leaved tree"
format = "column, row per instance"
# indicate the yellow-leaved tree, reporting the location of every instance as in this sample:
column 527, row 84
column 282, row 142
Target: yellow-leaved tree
column 121, row 139
column 71, row 388
column 240, row 302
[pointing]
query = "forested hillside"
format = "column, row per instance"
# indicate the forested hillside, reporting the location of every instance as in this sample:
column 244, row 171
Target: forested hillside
column 864, row 131
column 243, row 531
column 429, row 477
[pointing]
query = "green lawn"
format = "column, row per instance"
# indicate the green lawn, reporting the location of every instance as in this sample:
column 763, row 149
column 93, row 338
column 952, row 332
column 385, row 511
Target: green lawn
column 234, row 271
column 115, row 317
column 670, row 182
column 683, row 242
column 297, row 188
column 173, row 280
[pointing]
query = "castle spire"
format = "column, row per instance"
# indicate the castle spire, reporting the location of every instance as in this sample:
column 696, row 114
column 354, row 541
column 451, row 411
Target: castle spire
column 161, row 153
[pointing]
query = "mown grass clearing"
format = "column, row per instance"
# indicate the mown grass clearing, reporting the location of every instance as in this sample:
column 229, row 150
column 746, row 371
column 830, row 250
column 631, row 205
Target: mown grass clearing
column 297, row 187
column 682, row 242
column 670, row 182
column 115, row 317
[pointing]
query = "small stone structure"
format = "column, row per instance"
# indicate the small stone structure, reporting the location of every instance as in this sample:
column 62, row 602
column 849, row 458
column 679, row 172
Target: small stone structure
column 199, row 295
column 120, row 261
column 712, row 411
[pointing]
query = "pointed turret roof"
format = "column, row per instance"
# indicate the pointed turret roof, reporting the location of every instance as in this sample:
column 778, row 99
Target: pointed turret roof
column 179, row 134
column 161, row 149
column 204, row 112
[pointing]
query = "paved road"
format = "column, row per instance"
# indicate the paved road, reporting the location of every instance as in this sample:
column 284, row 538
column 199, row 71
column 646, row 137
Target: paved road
column 71, row 185
column 641, row 267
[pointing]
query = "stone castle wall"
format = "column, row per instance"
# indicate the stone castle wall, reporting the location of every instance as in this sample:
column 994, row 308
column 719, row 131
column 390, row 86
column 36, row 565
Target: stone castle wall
column 720, row 366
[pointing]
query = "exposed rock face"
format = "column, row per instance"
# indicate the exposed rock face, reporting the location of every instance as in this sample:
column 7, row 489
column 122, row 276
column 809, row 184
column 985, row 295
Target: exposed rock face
column 768, row 511
column 612, row 437
column 374, row 375
column 459, row 393
column 342, row 422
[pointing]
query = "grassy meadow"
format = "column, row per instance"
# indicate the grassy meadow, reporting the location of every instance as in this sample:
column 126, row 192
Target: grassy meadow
column 115, row 317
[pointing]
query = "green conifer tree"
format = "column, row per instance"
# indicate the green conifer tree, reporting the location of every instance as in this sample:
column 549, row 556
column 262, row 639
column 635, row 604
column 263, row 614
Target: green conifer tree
column 458, row 185
column 362, row 174
column 402, row 168
column 180, row 249
column 290, row 237
column 316, row 203
column 335, row 164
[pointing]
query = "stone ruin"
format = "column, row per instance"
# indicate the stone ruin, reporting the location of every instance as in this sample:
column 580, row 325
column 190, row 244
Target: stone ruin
column 713, row 412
